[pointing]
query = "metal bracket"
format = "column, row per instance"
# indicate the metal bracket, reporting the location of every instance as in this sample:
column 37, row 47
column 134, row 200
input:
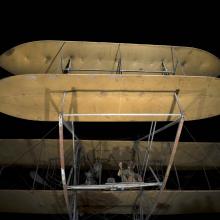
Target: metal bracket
column 68, row 67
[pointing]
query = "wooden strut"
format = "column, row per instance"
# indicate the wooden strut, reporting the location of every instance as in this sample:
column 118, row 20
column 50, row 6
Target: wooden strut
column 75, row 215
column 62, row 164
column 72, row 213
column 175, row 145
column 174, row 149
column 172, row 156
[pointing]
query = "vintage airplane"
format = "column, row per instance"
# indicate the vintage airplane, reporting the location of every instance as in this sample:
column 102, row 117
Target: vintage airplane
column 108, row 82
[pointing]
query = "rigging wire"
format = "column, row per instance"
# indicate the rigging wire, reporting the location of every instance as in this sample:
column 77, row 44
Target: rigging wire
column 30, row 149
column 205, row 154
column 37, row 167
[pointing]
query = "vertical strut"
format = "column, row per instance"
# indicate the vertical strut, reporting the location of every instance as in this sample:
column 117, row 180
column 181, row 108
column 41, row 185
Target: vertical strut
column 151, row 142
column 173, row 152
column 75, row 153
column 62, row 164
column 172, row 156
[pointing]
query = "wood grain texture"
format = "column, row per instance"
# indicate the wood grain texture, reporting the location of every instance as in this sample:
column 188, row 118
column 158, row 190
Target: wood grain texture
column 189, row 156
column 52, row 56
column 39, row 96
column 121, row 202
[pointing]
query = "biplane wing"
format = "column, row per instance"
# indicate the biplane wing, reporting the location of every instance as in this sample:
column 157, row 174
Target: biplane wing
column 96, row 57
column 121, row 202
column 190, row 155
column 109, row 97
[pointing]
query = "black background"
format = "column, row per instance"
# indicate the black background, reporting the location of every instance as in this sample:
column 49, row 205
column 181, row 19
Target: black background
column 179, row 23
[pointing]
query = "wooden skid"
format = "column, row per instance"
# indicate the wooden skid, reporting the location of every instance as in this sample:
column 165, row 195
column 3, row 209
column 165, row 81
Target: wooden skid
column 53, row 56
column 190, row 155
column 121, row 202
column 40, row 97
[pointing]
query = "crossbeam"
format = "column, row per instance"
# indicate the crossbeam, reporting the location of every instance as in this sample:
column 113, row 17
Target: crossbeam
column 115, row 186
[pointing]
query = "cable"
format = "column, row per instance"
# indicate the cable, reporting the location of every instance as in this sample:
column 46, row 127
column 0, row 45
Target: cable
column 31, row 148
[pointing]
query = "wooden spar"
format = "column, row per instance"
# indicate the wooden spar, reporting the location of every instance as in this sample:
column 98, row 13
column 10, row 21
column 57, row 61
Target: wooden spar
column 190, row 155
column 111, row 202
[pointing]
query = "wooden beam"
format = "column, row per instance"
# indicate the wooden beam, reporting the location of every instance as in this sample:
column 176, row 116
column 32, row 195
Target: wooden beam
column 189, row 155
column 119, row 202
